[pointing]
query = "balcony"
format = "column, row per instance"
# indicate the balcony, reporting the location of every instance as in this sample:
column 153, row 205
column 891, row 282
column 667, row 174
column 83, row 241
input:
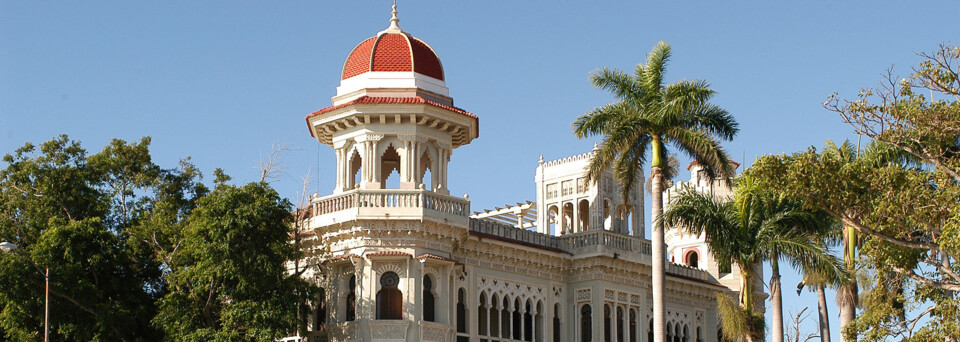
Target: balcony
column 382, row 204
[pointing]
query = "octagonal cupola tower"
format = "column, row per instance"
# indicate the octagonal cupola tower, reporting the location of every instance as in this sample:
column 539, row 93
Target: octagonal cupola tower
column 393, row 116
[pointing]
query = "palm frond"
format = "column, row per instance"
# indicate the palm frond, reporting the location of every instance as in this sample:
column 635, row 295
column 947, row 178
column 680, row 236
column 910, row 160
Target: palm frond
column 617, row 82
column 656, row 63
column 713, row 120
column 686, row 94
column 708, row 152
column 600, row 120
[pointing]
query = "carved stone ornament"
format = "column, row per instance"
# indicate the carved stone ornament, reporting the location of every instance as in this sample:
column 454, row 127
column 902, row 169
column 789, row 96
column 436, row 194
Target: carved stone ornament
column 583, row 295
column 412, row 137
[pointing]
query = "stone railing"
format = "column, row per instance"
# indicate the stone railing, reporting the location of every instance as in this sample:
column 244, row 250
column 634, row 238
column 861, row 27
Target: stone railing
column 398, row 203
column 513, row 233
column 572, row 243
column 686, row 271
column 577, row 241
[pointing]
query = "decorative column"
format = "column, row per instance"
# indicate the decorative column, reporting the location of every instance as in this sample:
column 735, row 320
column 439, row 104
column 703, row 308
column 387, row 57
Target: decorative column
column 533, row 321
column 523, row 320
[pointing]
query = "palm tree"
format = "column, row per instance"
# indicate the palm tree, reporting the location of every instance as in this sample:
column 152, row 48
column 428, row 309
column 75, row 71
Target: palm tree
column 875, row 155
column 757, row 225
column 827, row 237
column 648, row 116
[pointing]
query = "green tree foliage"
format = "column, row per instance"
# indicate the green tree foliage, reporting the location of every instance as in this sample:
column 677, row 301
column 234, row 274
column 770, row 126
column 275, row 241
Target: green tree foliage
column 757, row 225
column 117, row 231
column 907, row 216
column 228, row 281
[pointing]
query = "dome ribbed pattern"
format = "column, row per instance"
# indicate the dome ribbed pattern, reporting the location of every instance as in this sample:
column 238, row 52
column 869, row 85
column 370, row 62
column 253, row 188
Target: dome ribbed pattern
column 393, row 52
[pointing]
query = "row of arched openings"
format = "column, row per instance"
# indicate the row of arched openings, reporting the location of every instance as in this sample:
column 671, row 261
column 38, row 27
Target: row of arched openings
column 677, row 332
column 613, row 324
column 563, row 222
column 502, row 318
column 390, row 166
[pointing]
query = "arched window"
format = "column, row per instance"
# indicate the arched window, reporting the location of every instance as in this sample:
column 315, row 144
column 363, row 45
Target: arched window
column 528, row 322
column 538, row 322
column 462, row 312
column 586, row 323
column 607, row 214
column 650, row 332
column 482, row 315
column 669, row 332
column 320, row 312
column 429, row 307
column 553, row 216
column 693, row 259
column 606, row 323
column 556, row 322
column 633, row 325
column 686, row 334
column 699, row 334
column 677, row 333
column 389, row 298
column 619, row 324
column 583, row 215
column 568, row 224
column 352, row 299
column 517, row 319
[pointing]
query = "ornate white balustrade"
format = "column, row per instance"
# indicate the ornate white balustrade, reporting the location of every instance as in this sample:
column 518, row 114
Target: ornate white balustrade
column 594, row 241
column 388, row 204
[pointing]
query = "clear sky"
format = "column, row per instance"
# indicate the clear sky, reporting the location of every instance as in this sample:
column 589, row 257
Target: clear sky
column 221, row 81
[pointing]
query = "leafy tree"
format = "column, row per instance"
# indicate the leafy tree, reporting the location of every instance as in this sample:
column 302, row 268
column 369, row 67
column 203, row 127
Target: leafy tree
column 131, row 246
column 648, row 116
column 229, row 281
column 908, row 218
column 54, row 204
column 757, row 225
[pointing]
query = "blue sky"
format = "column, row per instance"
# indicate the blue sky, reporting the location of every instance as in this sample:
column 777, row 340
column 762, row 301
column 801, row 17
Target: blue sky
column 221, row 81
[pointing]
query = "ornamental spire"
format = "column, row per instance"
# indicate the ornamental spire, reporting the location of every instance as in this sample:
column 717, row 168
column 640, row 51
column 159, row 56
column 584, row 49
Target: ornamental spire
column 394, row 26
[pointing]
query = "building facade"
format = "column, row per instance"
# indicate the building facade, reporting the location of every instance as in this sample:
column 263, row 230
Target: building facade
column 401, row 259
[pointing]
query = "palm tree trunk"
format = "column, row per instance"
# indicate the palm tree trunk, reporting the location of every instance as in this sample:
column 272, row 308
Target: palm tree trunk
column 847, row 294
column 659, row 254
column 824, row 317
column 776, row 301
column 746, row 288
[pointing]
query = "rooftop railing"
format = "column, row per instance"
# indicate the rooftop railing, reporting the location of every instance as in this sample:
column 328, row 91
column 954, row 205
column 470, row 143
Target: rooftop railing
column 398, row 203
column 582, row 242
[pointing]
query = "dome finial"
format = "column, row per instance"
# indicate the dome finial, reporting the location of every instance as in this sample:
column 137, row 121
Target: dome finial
column 394, row 26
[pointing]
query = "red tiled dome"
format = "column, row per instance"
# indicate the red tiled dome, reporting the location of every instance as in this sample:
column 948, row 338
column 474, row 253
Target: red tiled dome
column 393, row 52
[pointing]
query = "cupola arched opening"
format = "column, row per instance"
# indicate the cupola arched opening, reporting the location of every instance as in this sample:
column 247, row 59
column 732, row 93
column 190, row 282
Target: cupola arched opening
column 389, row 165
column 356, row 168
column 692, row 259
column 426, row 171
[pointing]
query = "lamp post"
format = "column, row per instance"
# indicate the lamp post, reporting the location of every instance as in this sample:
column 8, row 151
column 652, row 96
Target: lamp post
column 10, row 247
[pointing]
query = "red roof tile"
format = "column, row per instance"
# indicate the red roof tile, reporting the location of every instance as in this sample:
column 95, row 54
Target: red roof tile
column 387, row 253
column 338, row 258
column 435, row 257
column 393, row 52
column 392, row 100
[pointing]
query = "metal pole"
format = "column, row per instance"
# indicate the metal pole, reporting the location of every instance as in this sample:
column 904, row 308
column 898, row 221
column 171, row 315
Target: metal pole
column 46, row 309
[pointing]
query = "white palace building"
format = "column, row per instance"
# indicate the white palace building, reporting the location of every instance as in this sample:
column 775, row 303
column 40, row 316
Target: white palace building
column 414, row 263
